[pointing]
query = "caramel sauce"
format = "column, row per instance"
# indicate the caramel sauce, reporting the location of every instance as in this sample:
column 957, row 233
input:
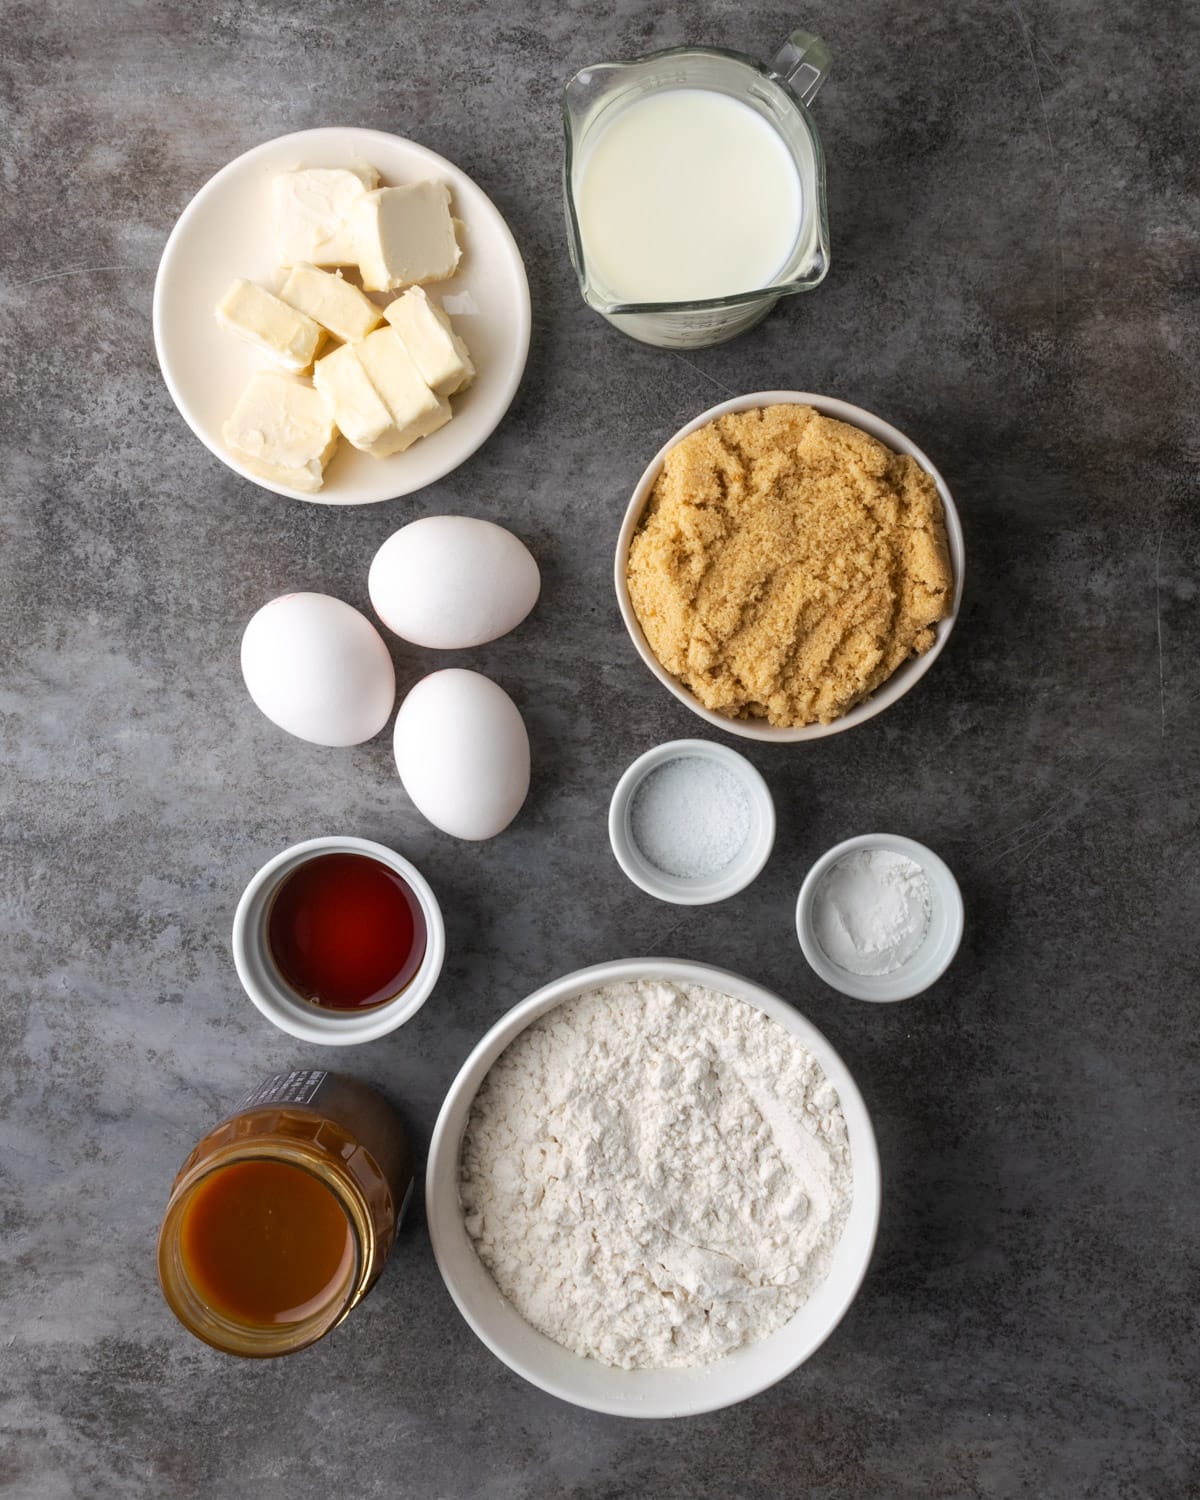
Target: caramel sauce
column 266, row 1243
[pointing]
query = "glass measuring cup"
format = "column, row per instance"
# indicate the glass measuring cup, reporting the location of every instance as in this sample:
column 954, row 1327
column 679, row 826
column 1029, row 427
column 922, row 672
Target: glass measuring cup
column 781, row 95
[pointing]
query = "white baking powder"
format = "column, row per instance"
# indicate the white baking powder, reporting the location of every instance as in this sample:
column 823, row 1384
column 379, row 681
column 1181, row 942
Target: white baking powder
column 871, row 911
column 690, row 816
column 655, row 1174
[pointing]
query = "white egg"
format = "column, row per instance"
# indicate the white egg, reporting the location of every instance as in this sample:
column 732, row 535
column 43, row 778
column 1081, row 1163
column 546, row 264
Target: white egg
column 462, row 753
column 319, row 669
column 452, row 581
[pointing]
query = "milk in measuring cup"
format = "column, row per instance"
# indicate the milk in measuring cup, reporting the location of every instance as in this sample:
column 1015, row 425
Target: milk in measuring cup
column 686, row 194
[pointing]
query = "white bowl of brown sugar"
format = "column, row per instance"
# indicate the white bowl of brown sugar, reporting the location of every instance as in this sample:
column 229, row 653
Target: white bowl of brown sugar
column 789, row 565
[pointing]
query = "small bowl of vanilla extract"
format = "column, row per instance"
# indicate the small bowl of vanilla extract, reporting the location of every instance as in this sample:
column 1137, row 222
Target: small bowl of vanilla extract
column 338, row 940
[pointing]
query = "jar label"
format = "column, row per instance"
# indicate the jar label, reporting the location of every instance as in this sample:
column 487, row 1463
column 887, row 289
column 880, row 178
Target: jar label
column 300, row 1086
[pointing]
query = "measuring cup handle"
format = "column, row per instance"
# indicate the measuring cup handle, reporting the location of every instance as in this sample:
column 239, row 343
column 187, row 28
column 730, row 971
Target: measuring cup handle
column 804, row 61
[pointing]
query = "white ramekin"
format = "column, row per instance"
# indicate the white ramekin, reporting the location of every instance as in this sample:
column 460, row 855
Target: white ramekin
column 935, row 954
column 744, row 867
column 278, row 1002
column 904, row 677
column 586, row 1382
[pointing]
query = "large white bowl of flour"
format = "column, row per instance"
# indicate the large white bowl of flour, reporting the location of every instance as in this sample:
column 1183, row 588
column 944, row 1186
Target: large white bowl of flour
column 677, row 1194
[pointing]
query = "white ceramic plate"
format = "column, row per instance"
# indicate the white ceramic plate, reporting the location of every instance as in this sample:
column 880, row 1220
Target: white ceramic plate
column 906, row 675
column 226, row 231
column 586, row 1382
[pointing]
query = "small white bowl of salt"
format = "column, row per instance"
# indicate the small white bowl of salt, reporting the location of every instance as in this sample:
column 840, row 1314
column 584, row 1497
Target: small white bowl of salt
column 880, row 917
column 691, row 822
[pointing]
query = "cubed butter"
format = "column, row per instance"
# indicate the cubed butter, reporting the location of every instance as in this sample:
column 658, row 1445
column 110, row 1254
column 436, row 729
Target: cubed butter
column 358, row 409
column 405, row 236
column 282, row 430
column 438, row 352
column 331, row 301
column 416, row 410
column 287, row 335
column 313, row 211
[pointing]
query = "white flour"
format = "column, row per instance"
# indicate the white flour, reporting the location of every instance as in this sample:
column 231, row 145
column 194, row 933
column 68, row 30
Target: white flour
column 656, row 1174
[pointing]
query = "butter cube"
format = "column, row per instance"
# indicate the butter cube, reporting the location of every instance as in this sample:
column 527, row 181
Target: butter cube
column 358, row 409
column 313, row 209
column 437, row 351
column 329, row 300
column 288, row 336
column 405, row 236
column 282, row 430
column 416, row 410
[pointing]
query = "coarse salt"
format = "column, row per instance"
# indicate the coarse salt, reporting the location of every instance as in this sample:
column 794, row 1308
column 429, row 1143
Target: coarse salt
column 690, row 817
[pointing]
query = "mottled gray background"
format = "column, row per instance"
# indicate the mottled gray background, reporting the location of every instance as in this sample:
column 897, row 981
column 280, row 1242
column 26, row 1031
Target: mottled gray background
column 1015, row 217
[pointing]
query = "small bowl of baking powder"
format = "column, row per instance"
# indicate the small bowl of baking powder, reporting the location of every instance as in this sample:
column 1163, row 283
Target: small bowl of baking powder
column 880, row 917
column 691, row 822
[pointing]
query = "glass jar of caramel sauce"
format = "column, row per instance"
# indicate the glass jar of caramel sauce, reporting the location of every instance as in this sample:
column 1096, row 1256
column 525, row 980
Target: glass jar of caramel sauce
column 281, row 1219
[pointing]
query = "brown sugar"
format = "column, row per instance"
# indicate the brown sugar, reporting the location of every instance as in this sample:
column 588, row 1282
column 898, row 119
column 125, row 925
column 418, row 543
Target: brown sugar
column 786, row 564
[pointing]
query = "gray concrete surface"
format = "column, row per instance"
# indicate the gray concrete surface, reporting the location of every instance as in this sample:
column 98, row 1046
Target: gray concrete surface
column 1015, row 211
